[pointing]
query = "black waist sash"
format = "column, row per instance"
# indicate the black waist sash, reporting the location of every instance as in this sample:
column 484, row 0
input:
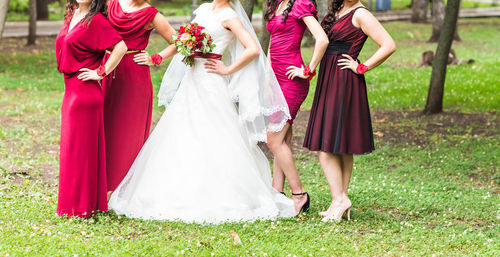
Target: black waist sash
column 338, row 47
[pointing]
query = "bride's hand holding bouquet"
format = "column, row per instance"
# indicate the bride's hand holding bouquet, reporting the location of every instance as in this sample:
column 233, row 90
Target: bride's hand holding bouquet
column 190, row 39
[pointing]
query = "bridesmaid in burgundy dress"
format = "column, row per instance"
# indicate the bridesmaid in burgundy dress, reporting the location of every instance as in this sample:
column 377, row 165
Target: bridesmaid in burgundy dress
column 80, row 49
column 128, row 92
column 286, row 22
column 340, row 124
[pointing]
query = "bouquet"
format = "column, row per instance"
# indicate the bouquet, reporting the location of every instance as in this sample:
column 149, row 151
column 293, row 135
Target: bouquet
column 192, row 38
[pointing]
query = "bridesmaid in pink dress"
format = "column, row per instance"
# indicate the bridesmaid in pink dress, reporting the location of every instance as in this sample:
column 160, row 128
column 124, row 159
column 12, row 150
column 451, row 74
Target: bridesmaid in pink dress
column 128, row 92
column 287, row 21
column 80, row 48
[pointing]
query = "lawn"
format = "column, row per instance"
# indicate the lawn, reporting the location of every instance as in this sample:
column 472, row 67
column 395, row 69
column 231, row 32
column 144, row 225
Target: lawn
column 430, row 188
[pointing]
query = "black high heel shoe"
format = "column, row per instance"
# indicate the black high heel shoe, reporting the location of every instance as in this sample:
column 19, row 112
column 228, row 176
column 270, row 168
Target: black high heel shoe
column 283, row 193
column 305, row 207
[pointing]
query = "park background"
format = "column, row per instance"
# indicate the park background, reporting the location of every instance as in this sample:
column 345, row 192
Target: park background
column 430, row 189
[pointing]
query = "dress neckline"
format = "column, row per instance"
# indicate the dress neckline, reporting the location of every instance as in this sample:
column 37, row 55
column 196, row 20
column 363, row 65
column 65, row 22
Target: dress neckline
column 75, row 26
column 275, row 13
column 120, row 6
column 219, row 11
column 349, row 13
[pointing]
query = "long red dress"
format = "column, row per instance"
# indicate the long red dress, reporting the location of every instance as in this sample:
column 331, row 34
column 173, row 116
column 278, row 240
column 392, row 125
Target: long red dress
column 82, row 173
column 284, row 49
column 340, row 121
column 128, row 94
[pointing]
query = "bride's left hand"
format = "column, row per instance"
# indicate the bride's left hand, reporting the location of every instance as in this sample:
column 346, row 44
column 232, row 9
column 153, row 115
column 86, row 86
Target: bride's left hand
column 294, row 72
column 217, row 67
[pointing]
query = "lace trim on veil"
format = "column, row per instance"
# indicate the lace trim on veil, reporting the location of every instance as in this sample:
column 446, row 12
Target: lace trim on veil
column 257, row 102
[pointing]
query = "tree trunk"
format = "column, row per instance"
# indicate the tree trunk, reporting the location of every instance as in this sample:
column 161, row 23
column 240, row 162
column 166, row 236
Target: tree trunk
column 437, row 19
column 4, row 8
column 32, row 23
column 248, row 6
column 436, row 88
column 264, row 36
column 419, row 11
column 456, row 37
column 194, row 5
column 42, row 10
column 322, row 6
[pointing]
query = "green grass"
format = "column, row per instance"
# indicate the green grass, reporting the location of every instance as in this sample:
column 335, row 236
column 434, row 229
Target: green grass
column 438, row 197
column 408, row 201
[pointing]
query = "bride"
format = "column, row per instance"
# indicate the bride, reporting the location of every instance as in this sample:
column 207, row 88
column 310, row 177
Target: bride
column 202, row 163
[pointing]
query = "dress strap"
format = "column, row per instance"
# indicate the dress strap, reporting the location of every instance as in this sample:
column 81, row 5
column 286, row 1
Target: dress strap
column 359, row 8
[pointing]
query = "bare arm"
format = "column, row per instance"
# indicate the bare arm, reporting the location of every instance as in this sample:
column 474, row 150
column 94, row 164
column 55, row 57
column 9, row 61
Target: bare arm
column 166, row 31
column 250, row 53
column 320, row 38
column 319, row 47
column 114, row 59
column 371, row 26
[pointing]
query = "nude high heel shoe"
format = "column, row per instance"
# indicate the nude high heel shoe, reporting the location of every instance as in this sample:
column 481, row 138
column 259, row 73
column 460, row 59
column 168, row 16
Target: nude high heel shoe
column 337, row 216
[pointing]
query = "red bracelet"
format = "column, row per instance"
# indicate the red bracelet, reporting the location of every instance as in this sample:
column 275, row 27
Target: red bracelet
column 361, row 69
column 307, row 72
column 101, row 71
column 156, row 58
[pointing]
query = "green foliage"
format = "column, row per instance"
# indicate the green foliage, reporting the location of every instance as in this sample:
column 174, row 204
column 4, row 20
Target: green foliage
column 19, row 5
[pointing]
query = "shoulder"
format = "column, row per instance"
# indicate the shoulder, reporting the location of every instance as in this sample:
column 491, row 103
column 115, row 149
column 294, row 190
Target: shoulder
column 228, row 13
column 362, row 11
column 202, row 8
column 100, row 18
column 304, row 8
column 362, row 15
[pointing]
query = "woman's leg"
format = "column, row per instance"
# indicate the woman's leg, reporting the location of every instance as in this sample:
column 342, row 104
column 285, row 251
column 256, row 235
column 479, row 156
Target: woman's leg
column 332, row 165
column 283, row 156
column 278, row 174
column 347, row 164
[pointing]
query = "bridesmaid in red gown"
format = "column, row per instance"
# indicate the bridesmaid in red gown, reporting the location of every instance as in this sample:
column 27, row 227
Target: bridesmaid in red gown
column 340, row 124
column 80, row 48
column 287, row 21
column 128, row 100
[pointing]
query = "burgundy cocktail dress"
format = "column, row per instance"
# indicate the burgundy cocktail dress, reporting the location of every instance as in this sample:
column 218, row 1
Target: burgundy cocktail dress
column 82, row 173
column 340, row 120
column 284, row 49
column 128, row 101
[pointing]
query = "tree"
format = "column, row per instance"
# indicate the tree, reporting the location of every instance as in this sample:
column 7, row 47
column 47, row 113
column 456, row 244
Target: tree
column 436, row 88
column 437, row 19
column 322, row 6
column 264, row 36
column 248, row 6
column 438, row 10
column 32, row 23
column 419, row 11
column 4, row 8
column 42, row 10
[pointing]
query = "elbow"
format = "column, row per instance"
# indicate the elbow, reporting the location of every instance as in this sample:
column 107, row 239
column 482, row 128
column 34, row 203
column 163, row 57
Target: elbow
column 391, row 47
column 122, row 47
column 324, row 41
column 254, row 52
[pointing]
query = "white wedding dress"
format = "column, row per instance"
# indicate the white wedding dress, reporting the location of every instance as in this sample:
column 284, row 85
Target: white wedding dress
column 198, row 164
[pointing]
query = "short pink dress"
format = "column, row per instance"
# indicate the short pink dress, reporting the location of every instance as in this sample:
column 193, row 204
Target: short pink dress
column 284, row 49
